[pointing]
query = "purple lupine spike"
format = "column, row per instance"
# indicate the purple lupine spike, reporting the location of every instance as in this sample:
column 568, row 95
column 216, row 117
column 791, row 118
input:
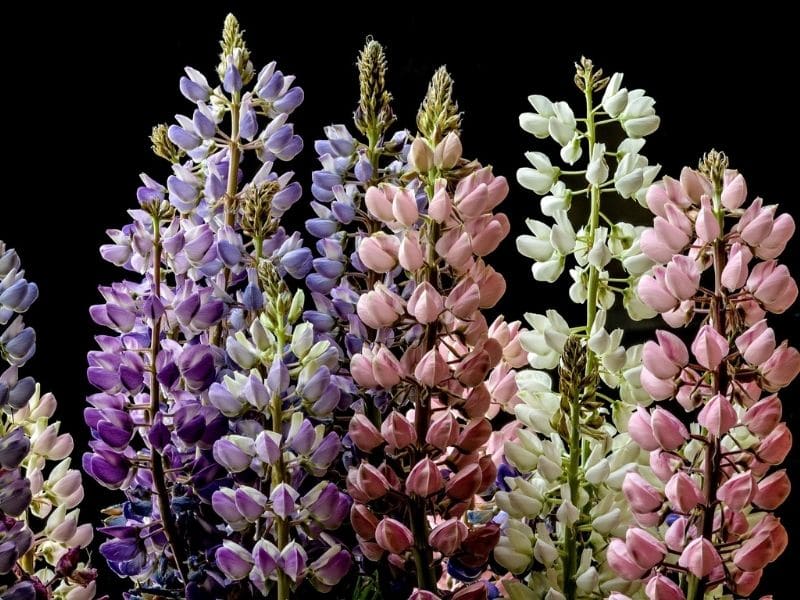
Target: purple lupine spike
column 35, row 496
column 204, row 357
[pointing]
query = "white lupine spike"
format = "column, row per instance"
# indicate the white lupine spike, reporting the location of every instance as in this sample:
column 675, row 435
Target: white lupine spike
column 614, row 360
column 641, row 126
column 613, row 88
column 627, row 185
column 534, row 381
column 639, row 104
column 605, row 523
column 599, row 342
column 594, row 457
column 548, row 271
column 540, row 161
column 616, row 477
column 554, row 594
column 594, row 246
column 636, row 262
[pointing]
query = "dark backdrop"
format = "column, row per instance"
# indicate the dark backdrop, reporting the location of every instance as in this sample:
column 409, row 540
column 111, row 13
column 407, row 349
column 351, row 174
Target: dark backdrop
column 78, row 120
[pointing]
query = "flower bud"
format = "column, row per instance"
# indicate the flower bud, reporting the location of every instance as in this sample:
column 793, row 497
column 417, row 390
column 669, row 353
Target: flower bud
column 393, row 536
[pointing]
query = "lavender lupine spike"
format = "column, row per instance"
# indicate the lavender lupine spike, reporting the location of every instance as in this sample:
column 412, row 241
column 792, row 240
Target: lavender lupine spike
column 45, row 559
column 566, row 462
column 429, row 370
column 705, row 505
column 349, row 167
column 199, row 241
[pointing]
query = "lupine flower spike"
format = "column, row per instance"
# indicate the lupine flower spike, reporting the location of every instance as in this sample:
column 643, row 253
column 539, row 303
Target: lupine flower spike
column 40, row 534
column 704, row 507
column 561, row 488
column 426, row 366
column 212, row 406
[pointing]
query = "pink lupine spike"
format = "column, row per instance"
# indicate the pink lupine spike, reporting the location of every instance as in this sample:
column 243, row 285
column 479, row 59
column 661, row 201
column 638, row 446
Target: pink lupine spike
column 425, row 303
column 654, row 292
column 404, row 207
column 378, row 204
column 379, row 252
column 781, row 368
column 682, row 277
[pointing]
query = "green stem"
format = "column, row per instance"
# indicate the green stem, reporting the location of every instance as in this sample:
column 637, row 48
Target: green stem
column 156, row 460
column 279, row 474
column 572, row 541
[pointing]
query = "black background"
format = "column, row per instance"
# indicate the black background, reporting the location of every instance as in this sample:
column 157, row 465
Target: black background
column 82, row 90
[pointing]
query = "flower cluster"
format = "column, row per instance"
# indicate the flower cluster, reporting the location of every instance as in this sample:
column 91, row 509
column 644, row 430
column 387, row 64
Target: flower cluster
column 430, row 364
column 561, row 485
column 704, row 506
column 279, row 509
column 349, row 167
column 199, row 365
column 40, row 536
